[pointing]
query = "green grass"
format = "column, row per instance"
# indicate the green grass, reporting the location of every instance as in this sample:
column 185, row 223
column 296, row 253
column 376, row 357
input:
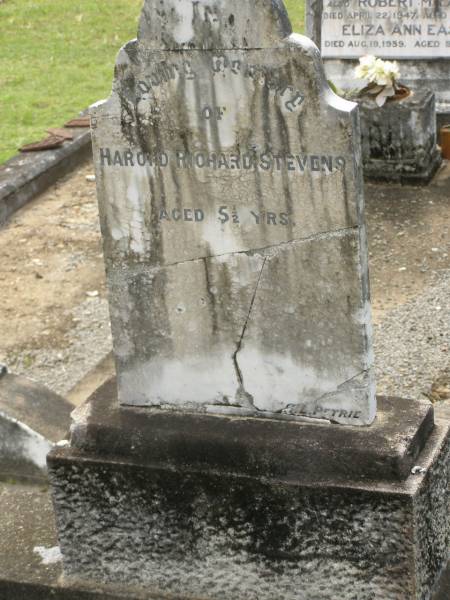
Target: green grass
column 296, row 9
column 57, row 57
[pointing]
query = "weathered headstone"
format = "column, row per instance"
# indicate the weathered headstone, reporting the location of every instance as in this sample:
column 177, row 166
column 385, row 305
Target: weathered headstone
column 230, row 192
column 414, row 32
column 399, row 141
column 229, row 184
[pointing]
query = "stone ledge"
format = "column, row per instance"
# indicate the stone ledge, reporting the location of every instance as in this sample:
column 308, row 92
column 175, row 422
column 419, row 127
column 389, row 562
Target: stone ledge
column 322, row 478
column 28, row 174
column 32, row 419
column 249, row 446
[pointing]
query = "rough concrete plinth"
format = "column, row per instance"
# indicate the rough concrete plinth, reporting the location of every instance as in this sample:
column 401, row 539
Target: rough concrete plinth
column 27, row 522
column 232, row 508
column 399, row 139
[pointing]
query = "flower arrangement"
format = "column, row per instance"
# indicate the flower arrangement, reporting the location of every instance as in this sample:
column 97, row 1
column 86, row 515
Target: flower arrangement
column 382, row 79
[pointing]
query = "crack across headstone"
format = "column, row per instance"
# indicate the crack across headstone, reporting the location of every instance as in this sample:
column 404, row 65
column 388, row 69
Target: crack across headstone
column 316, row 237
column 243, row 397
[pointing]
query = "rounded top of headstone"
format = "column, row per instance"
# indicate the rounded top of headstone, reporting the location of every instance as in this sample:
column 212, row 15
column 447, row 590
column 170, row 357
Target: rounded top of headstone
column 213, row 24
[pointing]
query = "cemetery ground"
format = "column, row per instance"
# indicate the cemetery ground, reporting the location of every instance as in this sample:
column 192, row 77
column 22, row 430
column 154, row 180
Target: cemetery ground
column 54, row 307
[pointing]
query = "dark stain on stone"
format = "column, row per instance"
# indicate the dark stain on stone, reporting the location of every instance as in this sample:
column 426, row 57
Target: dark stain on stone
column 157, row 203
column 127, row 119
column 184, row 131
column 260, row 197
column 212, row 298
column 148, row 292
column 346, row 199
column 285, row 143
column 198, row 103
column 132, row 52
column 214, row 123
column 266, row 118
column 176, row 182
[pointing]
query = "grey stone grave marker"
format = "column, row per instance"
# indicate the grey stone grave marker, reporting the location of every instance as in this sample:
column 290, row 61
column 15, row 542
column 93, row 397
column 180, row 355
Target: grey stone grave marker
column 414, row 32
column 229, row 185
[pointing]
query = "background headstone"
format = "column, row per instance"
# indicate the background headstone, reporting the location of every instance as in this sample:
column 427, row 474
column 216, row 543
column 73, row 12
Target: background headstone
column 399, row 141
column 414, row 32
column 230, row 193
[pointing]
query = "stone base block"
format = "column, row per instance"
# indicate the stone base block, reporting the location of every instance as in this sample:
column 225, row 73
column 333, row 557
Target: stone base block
column 226, row 508
column 399, row 140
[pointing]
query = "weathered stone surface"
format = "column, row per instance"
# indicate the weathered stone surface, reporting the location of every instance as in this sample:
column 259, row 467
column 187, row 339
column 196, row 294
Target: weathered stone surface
column 229, row 184
column 26, row 521
column 213, row 25
column 417, row 33
column 229, row 536
column 310, row 451
column 399, row 139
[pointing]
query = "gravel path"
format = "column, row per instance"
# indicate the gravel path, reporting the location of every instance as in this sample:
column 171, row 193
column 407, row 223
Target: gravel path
column 87, row 343
column 412, row 343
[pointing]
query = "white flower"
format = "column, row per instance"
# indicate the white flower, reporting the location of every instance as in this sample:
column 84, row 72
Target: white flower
column 377, row 73
column 366, row 63
column 376, row 70
column 361, row 72
column 392, row 68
